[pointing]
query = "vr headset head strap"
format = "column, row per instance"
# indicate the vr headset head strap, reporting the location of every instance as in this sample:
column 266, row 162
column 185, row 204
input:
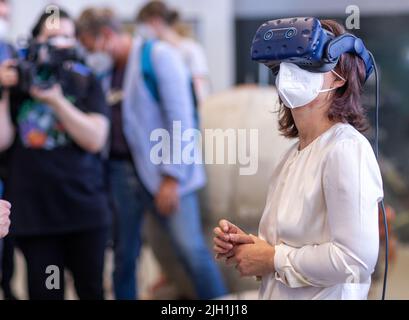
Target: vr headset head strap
column 351, row 44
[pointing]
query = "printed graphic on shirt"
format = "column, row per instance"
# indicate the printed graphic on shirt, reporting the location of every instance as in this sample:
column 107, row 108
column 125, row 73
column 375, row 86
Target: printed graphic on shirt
column 39, row 128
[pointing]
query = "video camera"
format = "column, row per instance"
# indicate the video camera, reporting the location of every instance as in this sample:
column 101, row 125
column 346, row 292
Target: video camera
column 43, row 64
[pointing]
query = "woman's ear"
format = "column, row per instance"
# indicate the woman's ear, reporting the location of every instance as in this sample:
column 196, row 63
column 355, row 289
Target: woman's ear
column 339, row 80
column 338, row 83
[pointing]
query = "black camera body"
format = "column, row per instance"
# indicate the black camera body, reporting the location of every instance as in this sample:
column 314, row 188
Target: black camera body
column 43, row 65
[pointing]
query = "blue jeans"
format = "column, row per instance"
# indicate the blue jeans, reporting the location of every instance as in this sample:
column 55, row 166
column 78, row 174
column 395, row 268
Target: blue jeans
column 131, row 200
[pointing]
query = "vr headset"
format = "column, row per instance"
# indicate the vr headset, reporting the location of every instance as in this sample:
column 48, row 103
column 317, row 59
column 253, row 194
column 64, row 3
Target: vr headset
column 304, row 42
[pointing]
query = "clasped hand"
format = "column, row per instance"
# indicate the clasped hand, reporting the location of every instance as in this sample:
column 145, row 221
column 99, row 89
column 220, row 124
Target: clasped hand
column 251, row 255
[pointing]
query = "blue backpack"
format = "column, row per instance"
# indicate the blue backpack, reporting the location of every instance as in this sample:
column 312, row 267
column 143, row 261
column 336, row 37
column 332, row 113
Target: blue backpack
column 151, row 81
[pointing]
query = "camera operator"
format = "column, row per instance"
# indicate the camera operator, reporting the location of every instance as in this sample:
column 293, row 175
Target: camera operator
column 56, row 178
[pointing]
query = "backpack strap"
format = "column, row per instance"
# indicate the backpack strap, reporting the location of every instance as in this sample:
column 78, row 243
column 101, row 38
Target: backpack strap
column 151, row 81
column 148, row 71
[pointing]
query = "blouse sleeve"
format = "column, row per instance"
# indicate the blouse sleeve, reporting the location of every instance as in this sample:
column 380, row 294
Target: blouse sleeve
column 352, row 188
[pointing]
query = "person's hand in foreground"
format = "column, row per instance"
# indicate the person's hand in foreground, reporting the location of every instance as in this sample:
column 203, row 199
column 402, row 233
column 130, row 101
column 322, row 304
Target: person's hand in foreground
column 5, row 208
column 251, row 255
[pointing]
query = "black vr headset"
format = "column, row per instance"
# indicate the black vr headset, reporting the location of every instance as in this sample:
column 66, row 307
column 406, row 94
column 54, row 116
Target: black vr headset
column 304, row 42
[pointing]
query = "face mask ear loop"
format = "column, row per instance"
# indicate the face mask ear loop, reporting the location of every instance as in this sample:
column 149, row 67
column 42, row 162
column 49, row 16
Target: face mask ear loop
column 338, row 75
column 327, row 90
column 331, row 89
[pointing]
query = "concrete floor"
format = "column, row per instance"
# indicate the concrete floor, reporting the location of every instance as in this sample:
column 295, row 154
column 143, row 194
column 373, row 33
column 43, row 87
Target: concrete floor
column 398, row 284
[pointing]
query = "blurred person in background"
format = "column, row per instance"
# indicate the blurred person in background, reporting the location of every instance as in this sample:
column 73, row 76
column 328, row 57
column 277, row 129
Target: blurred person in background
column 319, row 233
column 55, row 175
column 6, row 246
column 157, row 21
column 168, row 191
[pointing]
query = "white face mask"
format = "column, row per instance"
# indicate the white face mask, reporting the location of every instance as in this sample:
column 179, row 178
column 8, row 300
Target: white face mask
column 4, row 29
column 146, row 31
column 100, row 62
column 298, row 87
column 63, row 41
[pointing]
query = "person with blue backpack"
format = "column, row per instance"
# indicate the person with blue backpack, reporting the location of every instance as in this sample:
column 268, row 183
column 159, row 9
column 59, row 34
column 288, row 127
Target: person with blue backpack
column 150, row 90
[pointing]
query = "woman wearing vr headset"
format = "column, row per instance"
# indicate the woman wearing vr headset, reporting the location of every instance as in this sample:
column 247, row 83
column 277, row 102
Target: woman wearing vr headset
column 318, row 237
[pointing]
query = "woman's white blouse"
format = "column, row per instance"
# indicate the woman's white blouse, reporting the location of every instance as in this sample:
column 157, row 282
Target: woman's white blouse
column 322, row 217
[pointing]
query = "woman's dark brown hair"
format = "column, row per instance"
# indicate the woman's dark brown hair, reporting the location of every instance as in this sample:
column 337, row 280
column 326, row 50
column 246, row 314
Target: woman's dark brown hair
column 346, row 103
column 158, row 9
